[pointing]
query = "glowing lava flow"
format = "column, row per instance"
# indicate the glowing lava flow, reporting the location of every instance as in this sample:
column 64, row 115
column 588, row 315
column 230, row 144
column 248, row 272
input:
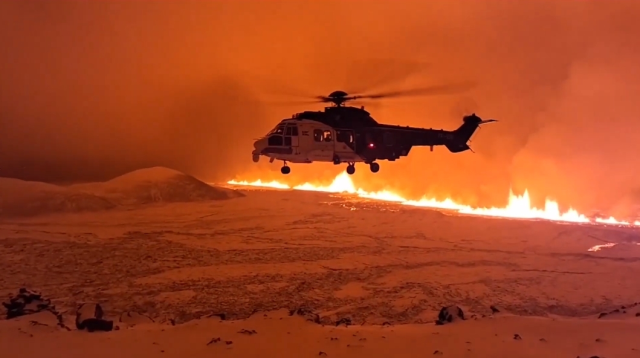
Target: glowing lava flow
column 519, row 206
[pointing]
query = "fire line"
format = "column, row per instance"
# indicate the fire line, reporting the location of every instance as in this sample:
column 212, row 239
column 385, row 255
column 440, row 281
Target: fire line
column 519, row 206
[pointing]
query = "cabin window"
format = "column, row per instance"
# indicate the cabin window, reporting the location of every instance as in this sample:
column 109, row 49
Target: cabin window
column 327, row 136
column 287, row 141
column 292, row 130
column 344, row 137
column 317, row 135
column 275, row 141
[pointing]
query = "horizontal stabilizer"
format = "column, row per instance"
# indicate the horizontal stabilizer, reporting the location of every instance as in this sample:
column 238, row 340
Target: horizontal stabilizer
column 457, row 147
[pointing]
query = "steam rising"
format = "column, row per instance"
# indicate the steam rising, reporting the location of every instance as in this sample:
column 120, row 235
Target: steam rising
column 90, row 90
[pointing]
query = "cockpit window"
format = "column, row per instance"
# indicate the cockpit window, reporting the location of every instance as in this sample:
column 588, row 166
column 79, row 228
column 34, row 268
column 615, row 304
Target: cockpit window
column 277, row 130
column 275, row 141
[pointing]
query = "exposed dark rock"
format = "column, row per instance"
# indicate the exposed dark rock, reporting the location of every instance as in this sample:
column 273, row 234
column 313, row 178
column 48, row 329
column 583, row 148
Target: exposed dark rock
column 308, row 314
column 248, row 332
column 133, row 318
column 345, row 320
column 517, row 337
column 222, row 316
column 449, row 314
column 89, row 316
column 213, row 340
column 494, row 309
column 26, row 302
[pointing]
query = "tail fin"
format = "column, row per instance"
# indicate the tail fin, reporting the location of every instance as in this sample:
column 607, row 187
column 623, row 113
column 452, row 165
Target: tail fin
column 464, row 133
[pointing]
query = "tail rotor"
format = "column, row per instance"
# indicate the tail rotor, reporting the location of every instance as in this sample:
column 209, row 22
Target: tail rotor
column 465, row 106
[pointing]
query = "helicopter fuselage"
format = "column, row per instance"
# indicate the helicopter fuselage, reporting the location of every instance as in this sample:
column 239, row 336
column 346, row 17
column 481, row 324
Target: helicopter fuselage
column 326, row 137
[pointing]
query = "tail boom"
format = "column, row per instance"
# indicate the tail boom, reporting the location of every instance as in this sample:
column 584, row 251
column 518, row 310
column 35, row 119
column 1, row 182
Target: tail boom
column 462, row 135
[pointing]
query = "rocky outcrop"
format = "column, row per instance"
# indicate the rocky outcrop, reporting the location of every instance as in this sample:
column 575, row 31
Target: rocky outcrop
column 450, row 314
column 89, row 316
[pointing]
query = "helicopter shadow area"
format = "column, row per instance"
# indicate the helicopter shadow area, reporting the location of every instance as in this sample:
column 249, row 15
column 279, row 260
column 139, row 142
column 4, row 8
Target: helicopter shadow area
column 336, row 255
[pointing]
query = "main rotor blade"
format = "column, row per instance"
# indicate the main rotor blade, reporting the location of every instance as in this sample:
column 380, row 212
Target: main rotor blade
column 291, row 103
column 464, row 107
column 276, row 87
column 368, row 104
column 367, row 75
column 427, row 91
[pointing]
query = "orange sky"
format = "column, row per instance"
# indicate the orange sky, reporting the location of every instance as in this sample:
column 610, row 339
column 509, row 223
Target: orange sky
column 92, row 89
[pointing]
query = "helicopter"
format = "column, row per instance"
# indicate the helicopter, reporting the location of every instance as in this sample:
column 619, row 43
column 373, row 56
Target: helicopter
column 348, row 134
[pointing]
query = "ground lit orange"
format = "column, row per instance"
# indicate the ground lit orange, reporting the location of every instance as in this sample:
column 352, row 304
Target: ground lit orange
column 519, row 206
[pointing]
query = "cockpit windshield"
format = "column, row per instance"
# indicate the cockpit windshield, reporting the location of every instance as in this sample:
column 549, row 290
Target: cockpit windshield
column 277, row 130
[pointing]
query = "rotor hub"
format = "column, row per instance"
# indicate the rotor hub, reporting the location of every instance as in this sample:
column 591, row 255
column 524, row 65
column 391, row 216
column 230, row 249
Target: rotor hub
column 338, row 94
column 338, row 97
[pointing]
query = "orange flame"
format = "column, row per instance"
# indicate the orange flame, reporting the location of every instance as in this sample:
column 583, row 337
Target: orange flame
column 519, row 206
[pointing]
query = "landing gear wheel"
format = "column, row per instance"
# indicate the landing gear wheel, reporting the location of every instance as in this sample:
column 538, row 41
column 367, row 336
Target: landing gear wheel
column 375, row 167
column 285, row 169
column 351, row 168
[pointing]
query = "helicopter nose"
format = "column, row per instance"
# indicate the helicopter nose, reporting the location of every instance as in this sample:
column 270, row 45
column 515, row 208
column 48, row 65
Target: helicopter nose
column 259, row 144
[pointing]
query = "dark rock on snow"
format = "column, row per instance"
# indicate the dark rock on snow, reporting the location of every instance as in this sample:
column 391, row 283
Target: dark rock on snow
column 306, row 313
column 214, row 340
column 26, row 302
column 133, row 318
column 345, row 320
column 90, row 317
column 449, row 314
column 248, row 332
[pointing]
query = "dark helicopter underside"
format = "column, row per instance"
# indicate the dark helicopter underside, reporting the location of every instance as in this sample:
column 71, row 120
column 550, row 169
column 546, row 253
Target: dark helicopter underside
column 387, row 142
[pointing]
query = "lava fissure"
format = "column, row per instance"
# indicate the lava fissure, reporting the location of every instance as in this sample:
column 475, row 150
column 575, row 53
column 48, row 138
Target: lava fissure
column 519, row 206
